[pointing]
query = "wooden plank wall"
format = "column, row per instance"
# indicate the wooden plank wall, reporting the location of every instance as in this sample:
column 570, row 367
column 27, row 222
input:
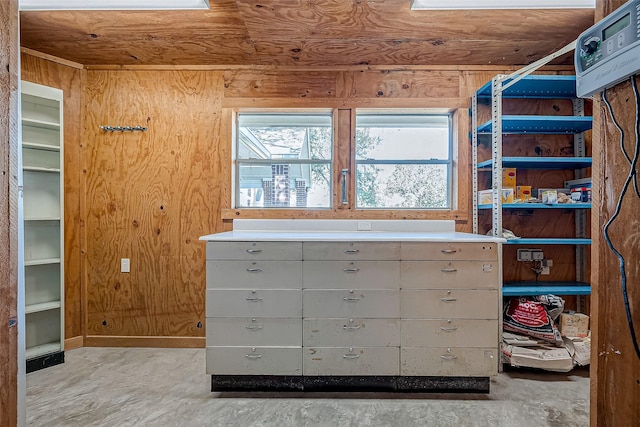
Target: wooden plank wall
column 9, row 213
column 615, row 382
column 69, row 78
column 148, row 196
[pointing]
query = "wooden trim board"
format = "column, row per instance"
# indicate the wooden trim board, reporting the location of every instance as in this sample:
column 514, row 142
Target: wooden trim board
column 149, row 342
column 73, row 343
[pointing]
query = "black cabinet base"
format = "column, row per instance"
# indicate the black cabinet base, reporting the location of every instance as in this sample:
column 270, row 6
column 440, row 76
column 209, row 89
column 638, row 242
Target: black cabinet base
column 363, row 383
column 45, row 361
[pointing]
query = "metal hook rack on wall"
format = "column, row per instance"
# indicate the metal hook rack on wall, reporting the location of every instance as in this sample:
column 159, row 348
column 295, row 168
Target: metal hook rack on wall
column 124, row 128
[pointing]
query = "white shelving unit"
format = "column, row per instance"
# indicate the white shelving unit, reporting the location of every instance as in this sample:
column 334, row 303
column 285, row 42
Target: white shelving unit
column 42, row 168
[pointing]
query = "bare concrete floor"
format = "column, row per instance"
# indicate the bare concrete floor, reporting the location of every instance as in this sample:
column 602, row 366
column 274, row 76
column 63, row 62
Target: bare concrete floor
column 168, row 387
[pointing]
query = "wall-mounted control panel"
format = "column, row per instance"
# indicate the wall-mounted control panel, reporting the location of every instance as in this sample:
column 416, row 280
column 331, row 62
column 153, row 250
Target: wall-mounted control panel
column 609, row 52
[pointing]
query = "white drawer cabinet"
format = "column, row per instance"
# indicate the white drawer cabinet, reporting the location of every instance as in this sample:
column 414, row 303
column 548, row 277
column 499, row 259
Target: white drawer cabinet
column 352, row 274
column 448, row 361
column 376, row 309
column 351, row 332
column 257, row 302
column 351, row 361
column 448, row 333
column 448, row 251
column 449, row 274
column 254, row 360
column 273, row 251
column 447, row 304
column 254, row 274
column 377, row 303
column 254, row 331
column 332, row 251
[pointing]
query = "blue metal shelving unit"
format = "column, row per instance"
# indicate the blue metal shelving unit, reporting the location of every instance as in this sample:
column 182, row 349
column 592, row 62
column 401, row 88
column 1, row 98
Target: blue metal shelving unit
column 548, row 241
column 541, row 163
column 536, row 86
column 540, row 206
column 540, row 125
column 512, row 289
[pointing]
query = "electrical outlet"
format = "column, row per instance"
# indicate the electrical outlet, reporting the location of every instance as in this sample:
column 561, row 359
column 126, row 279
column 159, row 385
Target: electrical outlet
column 537, row 255
column 125, row 265
column 524, row 255
column 545, row 271
column 364, row 225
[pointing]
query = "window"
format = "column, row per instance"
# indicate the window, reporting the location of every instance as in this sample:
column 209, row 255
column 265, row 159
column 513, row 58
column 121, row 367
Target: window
column 283, row 160
column 403, row 161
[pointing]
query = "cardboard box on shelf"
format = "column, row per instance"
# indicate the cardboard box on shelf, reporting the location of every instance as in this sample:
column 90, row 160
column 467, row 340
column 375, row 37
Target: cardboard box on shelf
column 549, row 197
column 523, row 192
column 485, row 197
column 573, row 324
column 509, row 177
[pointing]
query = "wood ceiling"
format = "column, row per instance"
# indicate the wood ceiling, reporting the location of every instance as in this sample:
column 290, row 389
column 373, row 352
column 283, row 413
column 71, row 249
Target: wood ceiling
column 304, row 33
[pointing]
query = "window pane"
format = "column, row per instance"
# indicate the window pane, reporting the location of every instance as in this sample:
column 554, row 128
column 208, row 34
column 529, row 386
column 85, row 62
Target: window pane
column 402, row 137
column 402, row 186
column 284, row 160
column 284, row 136
column 284, row 185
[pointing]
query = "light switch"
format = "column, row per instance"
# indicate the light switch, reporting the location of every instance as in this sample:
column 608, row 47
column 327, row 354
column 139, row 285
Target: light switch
column 125, row 265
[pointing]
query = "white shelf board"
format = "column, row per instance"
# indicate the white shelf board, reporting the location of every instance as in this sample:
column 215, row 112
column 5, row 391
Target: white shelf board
column 43, row 219
column 42, row 261
column 43, row 306
column 38, row 146
column 40, row 350
column 41, row 169
column 40, row 123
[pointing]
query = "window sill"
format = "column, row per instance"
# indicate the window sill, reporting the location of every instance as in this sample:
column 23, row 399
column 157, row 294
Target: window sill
column 461, row 217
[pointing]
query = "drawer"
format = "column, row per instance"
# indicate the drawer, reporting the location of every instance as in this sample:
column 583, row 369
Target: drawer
column 273, row 251
column 351, row 361
column 336, row 251
column 357, row 303
column 449, row 274
column 447, row 304
column 448, row 333
column 449, row 362
column 430, row 251
column 254, row 274
column 352, row 274
column 254, row 303
column 253, row 331
column 351, row 332
column 254, row 360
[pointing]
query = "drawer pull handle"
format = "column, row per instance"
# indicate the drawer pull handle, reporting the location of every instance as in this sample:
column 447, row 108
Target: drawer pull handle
column 448, row 357
column 253, row 299
column 448, row 299
column 350, row 270
column 351, row 328
column 448, row 251
column 450, row 329
column 351, row 251
column 253, row 327
column 254, row 251
column 449, row 270
column 254, row 270
column 253, row 356
column 351, row 299
column 350, row 356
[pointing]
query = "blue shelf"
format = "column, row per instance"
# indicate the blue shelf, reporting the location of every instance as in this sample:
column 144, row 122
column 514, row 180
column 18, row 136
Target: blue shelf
column 512, row 289
column 536, row 86
column 548, row 241
column 540, row 125
column 541, row 162
column 540, row 206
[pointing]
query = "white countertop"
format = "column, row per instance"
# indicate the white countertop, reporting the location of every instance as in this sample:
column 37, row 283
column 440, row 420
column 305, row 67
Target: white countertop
column 347, row 230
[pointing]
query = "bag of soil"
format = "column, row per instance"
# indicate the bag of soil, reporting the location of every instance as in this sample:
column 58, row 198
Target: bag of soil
column 534, row 316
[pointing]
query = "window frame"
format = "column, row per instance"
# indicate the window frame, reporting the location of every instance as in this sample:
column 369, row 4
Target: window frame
column 450, row 162
column 236, row 161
